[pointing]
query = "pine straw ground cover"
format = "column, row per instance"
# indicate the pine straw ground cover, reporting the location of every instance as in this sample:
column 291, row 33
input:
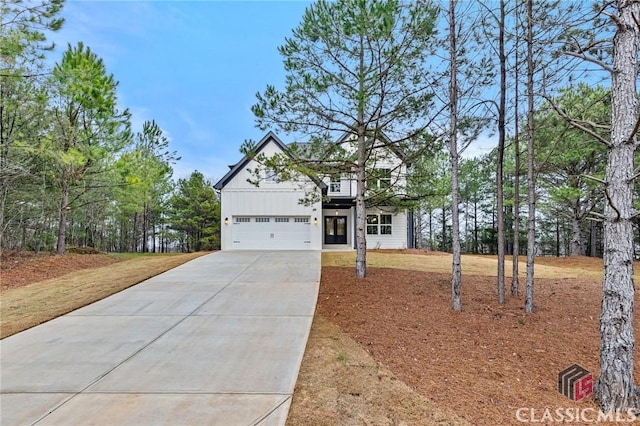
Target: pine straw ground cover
column 482, row 363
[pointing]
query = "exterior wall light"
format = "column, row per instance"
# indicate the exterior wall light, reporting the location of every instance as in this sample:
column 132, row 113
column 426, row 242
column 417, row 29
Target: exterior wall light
column 226, row 220
column 315, row 220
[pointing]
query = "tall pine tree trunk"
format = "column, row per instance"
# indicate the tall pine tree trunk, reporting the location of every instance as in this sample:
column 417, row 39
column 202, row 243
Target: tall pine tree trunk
column 145, row 227
column 361, row 177
column 418, row 229
column 593, row 239
column 531, row 225
column 500, row 161
column 577, row 245
column 615, row 388
column 557, row 237
column 476, row 238
column 515, row 285
column 361, row 224
column 431, row 239
column 443, row 246
column 134, row 234
column 456, row 279
column 467, row 240
column 62, row 217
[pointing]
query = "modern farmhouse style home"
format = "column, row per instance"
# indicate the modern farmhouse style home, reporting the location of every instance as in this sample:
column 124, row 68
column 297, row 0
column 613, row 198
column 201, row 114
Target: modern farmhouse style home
column 271, row 216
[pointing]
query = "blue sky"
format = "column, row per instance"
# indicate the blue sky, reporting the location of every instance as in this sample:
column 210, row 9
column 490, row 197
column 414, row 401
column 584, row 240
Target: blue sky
column 193, row 66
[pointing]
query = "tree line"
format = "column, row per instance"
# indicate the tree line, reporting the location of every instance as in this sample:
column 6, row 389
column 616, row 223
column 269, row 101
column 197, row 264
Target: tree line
column 571, row 200
column 73, row 171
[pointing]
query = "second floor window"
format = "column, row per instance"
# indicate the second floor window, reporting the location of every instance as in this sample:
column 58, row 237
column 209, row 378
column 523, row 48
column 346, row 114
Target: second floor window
column 335, row 184
column 379, row 179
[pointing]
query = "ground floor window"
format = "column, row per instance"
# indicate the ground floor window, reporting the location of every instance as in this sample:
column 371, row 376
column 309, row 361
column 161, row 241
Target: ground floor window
column 385, row 224
column 379, row 224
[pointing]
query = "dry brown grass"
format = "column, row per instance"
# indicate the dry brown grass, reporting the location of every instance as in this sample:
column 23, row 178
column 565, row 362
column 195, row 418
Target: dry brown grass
column 477, row 265
column 341, row 384
column 27, row 306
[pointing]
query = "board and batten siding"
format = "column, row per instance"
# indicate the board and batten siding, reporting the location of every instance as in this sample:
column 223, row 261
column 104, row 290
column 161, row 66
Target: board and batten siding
column 398, row 237
column 239, row 197
column 264, row 203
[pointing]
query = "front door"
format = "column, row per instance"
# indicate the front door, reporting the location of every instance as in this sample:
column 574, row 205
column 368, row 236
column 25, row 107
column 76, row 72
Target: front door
column 335, row 230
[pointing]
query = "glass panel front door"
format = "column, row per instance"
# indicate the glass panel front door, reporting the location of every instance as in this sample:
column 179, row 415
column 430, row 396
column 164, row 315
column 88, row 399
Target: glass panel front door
column 335, row 230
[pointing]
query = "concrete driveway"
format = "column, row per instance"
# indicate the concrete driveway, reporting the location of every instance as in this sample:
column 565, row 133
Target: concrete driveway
column 216, row 341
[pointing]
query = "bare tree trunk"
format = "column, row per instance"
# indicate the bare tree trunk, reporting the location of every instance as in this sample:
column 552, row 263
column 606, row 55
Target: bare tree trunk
column 361, row 181
column 475, row 227
column 577, row 245
column 418, row 229
column 593, row 239
column 443, row 246
column 456, row 279
column 361, row 225
column 531, row 234
column 145, row 228
column 615, row 388
column 557, row 237
column 467, row 240
column 62, row 222
column 500, row 160
column 515, row 285
column 134, row 234
column 430, row 229
column 153, row 238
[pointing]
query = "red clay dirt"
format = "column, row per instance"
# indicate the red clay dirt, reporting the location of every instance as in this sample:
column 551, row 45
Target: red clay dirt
column 22, row 268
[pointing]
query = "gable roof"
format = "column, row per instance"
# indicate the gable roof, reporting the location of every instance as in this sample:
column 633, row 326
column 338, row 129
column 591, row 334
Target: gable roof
column 240, row 165
column 271, row 137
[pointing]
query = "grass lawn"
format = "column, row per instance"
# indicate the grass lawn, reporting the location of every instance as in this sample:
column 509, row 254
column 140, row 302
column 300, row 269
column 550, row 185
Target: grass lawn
column 25, row 306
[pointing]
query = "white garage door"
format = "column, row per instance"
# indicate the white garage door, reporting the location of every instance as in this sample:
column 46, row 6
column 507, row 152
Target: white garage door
column 271, row 233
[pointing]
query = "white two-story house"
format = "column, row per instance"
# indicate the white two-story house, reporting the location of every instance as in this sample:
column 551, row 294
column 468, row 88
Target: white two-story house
column 271, row 216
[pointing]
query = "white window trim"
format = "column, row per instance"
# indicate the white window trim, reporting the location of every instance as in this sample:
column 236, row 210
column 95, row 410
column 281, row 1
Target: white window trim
column 378, row 226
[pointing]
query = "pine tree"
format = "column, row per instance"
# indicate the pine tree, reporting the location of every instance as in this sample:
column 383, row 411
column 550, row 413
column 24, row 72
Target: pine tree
column 354, row 67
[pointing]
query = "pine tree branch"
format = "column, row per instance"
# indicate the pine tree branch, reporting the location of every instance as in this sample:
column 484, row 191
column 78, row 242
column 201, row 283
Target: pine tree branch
column 615, row 18
column 600, row 217
column 595, row 179
column 574, row 123
column 591, row 59
column 41, row 74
